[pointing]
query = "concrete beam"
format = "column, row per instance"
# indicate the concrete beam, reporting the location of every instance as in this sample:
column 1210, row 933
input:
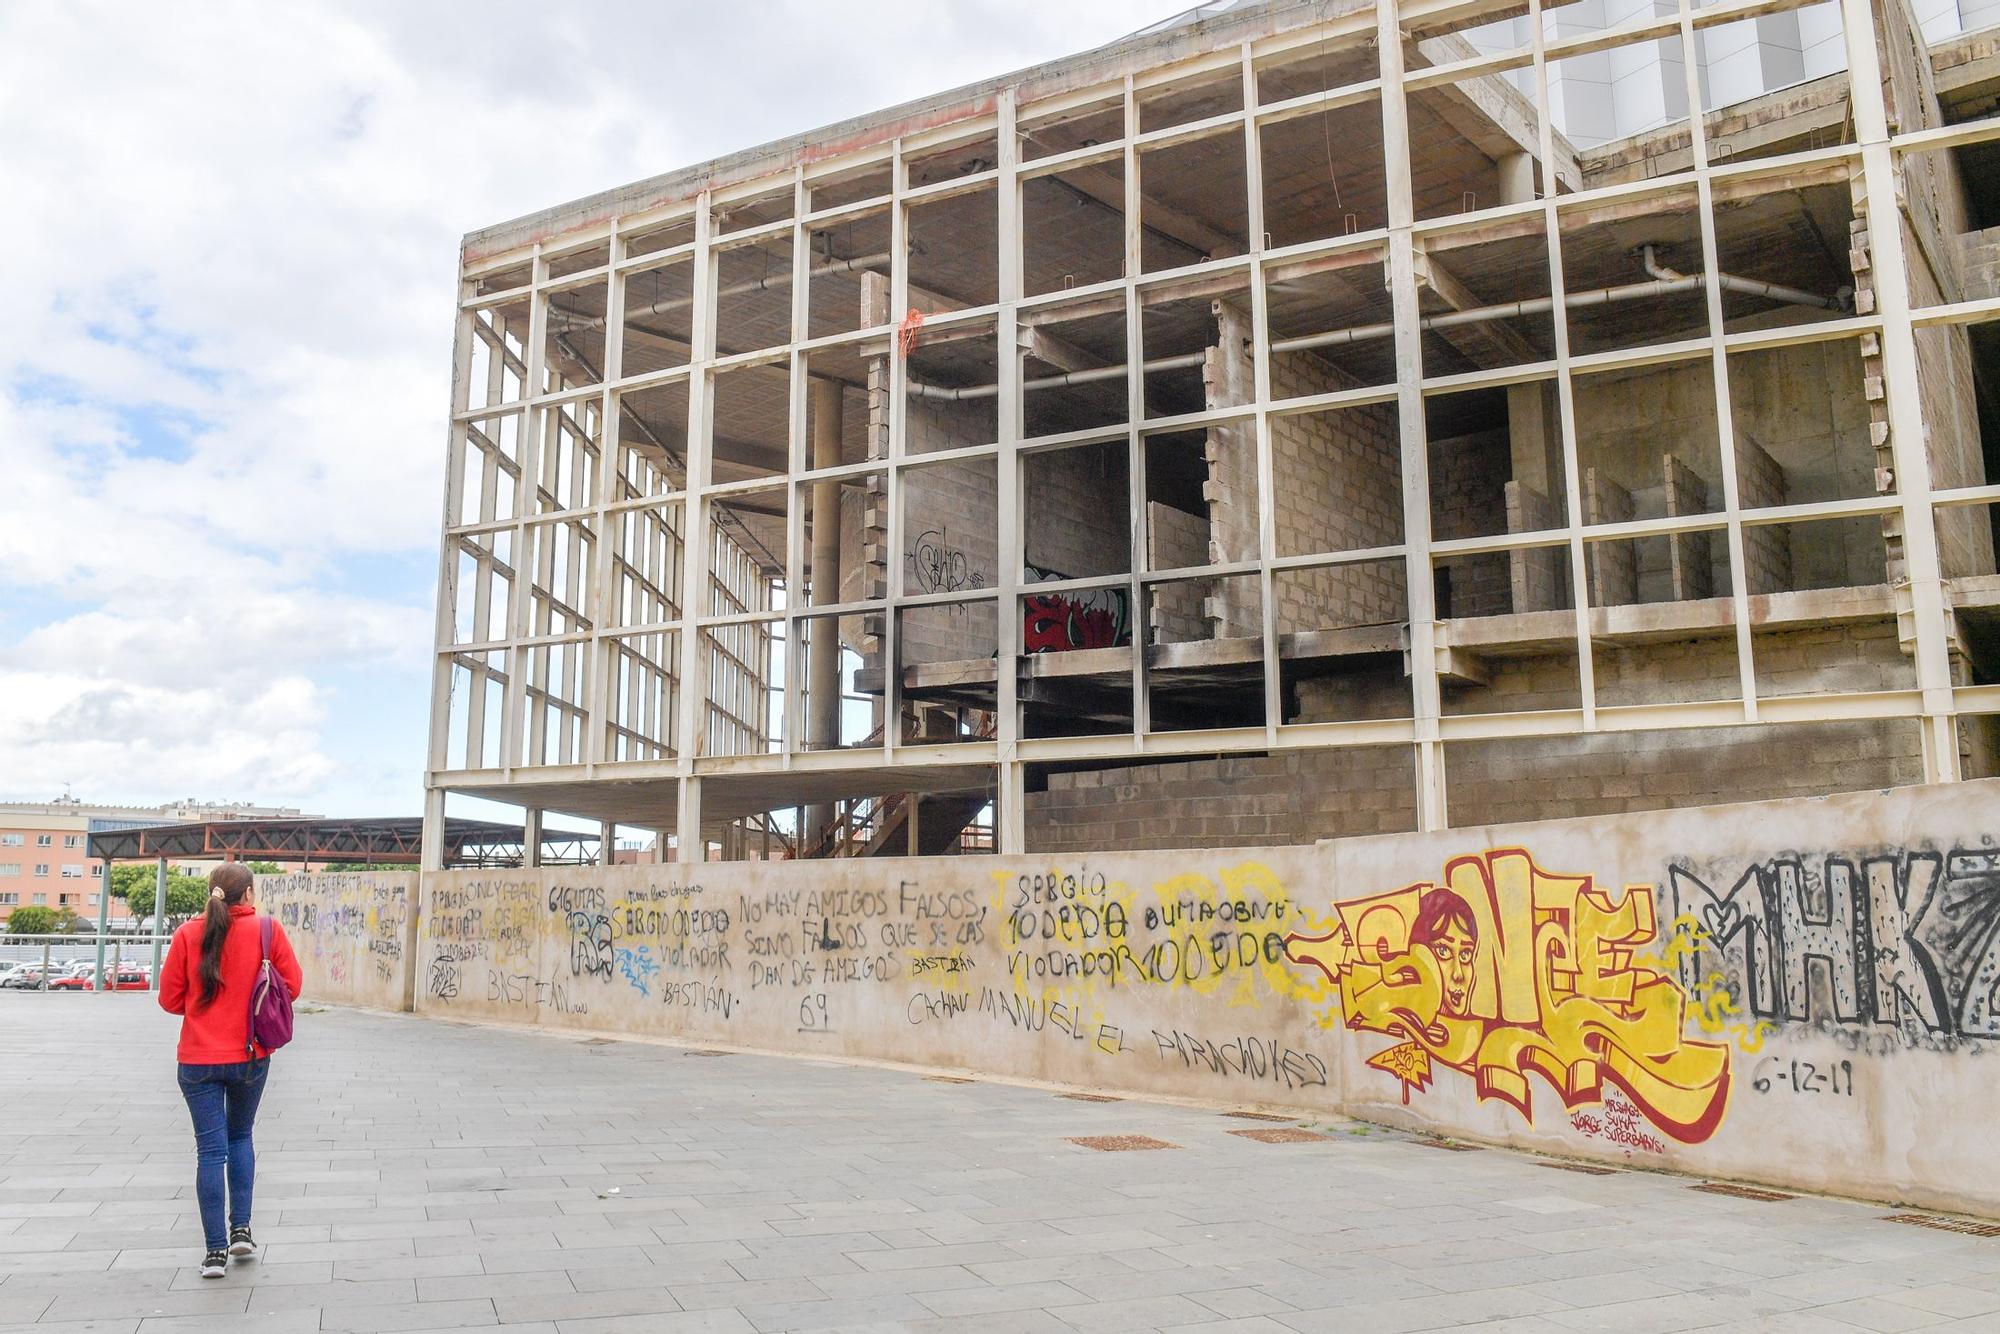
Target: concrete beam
column 1486, row 345
column 1490, row 112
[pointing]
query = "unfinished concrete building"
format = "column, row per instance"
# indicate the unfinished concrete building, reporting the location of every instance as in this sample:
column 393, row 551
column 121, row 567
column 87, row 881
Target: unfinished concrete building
column 1294, row 421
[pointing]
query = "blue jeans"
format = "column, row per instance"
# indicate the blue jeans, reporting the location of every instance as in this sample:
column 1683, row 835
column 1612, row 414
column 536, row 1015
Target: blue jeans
column 223, row 1101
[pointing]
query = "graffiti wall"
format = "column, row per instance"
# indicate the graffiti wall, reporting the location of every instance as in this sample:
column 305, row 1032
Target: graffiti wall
column 354, row 933
column 1802, row 993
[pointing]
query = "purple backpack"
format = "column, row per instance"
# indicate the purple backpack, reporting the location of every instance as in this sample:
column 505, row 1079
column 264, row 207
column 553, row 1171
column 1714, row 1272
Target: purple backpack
column 270, row 1001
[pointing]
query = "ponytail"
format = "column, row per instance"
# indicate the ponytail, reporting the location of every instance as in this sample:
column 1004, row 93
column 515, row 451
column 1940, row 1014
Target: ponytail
column 227, row 886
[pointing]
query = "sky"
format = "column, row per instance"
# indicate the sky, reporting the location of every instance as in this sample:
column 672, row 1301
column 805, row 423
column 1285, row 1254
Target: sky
column 227, row 258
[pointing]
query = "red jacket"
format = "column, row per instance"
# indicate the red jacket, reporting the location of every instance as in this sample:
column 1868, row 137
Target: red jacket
column 218, row 1033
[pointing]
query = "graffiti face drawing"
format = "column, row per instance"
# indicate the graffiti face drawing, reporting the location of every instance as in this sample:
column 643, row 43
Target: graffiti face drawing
column 1444, row 926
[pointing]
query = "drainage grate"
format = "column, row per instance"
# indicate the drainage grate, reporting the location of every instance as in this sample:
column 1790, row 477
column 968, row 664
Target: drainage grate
column 599, row 1042
column 1965, row 1225
column 1282, row 1136
column 1586, row 1168
column 1741, row 1192
column 947, row 1079
column 1452, row 1146
column 1089, row 1097
column 1259, row 1116
column 708, row 1051
column 1120, row 1143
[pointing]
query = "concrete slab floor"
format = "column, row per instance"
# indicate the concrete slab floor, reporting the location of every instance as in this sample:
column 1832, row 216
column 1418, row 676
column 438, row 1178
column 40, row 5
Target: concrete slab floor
column 415, row 1175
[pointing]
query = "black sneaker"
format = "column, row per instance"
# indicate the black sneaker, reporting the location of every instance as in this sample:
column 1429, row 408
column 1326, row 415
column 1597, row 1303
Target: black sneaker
column 214, row 1263
column 240, row 1243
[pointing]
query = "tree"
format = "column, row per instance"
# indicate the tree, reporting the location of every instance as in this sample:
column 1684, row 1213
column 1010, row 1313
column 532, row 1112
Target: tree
column 35, row 921
column 187, row 895
column 130, row 876
column 331, row 867
column 265, row 868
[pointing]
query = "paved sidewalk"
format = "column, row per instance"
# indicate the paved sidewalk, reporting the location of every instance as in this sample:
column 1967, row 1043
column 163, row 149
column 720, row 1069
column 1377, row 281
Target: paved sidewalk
column 416, row 1175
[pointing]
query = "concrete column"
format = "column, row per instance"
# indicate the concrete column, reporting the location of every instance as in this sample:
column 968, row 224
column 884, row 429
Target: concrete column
column 607, row 842
column 1534, row 438
column 104, row 912
column 159, row 898
column 823, row 641
column 432, row 856
column 689, row 843
column 1517, row 177
column 531, row 837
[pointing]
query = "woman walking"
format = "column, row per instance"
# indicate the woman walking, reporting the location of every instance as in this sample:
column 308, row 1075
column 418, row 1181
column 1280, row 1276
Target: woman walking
column 209, row 979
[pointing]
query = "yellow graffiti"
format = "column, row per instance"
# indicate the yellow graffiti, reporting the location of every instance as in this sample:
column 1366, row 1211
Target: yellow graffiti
column 1408, row 1062
column 1716, row 1011
column 514, row 921
column 1686, row 937
column 1712, row 1004
column 1506, row 970
column 1076, row 935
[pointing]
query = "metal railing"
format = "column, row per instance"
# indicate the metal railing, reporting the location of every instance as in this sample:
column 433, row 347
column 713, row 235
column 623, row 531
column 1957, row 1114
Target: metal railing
column 108, row 955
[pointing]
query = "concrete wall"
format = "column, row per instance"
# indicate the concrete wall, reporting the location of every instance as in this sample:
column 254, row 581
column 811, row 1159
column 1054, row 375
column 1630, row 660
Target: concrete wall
column 354, row 933
column 1797, row 993
column 1300, row 796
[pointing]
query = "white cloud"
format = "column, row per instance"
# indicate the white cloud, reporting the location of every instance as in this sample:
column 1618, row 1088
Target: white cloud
column 228, row 254
column 98, row 734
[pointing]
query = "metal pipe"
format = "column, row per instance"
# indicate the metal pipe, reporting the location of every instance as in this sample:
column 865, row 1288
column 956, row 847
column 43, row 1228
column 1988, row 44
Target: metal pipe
column 783, row 278
column 1665, row 282
column 1729, row 282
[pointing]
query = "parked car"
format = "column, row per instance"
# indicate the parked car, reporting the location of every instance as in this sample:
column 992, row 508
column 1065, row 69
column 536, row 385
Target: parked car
column 26, row 977
column 131, row 977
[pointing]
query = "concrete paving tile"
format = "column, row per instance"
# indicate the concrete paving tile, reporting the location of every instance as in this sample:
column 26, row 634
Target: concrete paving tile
column 1443, row 1311
column 834, row 1313
column 419, row 1227
column 405, row 1316
column 467, row 1287
column 936, row 1256
column 1133, row 1313
column 745, row 1292
column 683, row 1273
column 1003, row 1272
column 989, row 1300
column 410, row 1266
column 89, row 1305
column 1686, row 1311
column 485, row 1243
column 25, row 1307
column 268, row 1322
column 603, row 1257
column 810, row 1264
column 1949, row 1299
column 387, row 1248
column 897, row 1280
column 334, row 1293
column 63, row 1262
column 13, row 1243
column 1877, row 1314
column 1601, row 1290
column 565, row 1306
column 1006, row 1322
column 1239, row 1303
column 725, row 1320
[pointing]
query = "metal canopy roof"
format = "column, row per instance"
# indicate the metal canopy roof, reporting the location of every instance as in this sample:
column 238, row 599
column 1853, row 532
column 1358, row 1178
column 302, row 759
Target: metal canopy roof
column 396, row 841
